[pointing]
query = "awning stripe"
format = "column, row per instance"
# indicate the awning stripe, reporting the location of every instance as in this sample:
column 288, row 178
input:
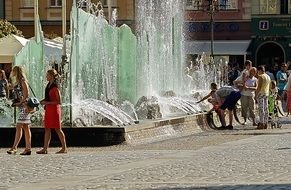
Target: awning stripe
column 225, row 47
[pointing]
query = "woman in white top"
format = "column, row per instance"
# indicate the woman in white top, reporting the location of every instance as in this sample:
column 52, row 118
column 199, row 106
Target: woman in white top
column 248, row 96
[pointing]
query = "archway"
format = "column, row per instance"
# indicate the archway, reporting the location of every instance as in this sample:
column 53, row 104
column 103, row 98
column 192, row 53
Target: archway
column 270, row 54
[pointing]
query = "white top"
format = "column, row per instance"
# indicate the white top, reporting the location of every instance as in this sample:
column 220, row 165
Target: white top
column 250, row 82
column 240, row 78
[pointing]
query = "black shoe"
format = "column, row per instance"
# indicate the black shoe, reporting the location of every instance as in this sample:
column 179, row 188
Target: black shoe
column 222, row 128
column 229, row 127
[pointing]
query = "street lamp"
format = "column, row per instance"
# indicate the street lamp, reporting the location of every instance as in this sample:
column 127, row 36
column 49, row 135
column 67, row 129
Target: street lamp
column 64, row 31
column 212, row 8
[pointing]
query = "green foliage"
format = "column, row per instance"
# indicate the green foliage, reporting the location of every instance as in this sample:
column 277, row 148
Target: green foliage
column 7, row 28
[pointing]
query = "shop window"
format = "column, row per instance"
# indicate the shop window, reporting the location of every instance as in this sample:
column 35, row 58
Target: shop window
column 219, row 4
column 55, row 3
column 27, row 3
column 232, row 4
column 194, row 4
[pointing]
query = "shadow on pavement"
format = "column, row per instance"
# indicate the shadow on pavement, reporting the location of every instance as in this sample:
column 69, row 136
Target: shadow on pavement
column 232, row 187
column 285, row 148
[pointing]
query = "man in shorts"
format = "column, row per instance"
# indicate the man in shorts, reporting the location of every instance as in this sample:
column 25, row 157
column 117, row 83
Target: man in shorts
column 227, row 97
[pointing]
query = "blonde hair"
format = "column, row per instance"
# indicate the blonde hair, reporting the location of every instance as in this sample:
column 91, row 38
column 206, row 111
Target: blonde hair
column 19, row 72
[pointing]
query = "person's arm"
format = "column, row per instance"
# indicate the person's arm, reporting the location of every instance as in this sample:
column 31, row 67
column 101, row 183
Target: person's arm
column 207, row 96
column 244, row 77
column 259, row 85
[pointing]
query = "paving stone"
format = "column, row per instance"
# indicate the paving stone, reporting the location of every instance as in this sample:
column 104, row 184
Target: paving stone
column 226, row 160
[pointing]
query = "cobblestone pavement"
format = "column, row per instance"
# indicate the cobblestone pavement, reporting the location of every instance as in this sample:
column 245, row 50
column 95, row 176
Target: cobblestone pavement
column 238, row 159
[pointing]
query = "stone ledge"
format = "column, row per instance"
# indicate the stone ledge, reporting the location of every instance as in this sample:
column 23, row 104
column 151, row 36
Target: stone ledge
column 149, row 131
column 165, row 129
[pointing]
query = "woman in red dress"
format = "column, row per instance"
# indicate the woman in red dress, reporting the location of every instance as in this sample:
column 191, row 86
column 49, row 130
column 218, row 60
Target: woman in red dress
column 52, row 117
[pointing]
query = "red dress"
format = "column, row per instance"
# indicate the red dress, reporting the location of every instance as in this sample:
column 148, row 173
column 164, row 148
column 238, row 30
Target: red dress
column 288, row 102
column 52, row 116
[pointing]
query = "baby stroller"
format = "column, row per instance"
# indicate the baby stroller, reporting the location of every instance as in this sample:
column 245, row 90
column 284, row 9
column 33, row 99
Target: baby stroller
column 273, row 107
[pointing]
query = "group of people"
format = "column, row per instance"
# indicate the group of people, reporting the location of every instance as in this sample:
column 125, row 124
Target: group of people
column 27, row 105
column 251, row 86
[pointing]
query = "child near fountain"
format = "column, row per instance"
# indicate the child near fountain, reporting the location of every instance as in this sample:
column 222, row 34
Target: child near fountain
column 211, row 97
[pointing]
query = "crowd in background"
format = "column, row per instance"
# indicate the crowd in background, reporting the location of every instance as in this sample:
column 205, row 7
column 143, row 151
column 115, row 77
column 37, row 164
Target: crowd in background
column 255, row 88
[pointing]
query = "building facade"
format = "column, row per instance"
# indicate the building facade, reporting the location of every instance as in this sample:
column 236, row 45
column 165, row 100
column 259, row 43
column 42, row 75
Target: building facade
column 271, row 31
column 21, row 14
column 2, row 9
column 126, row 12
column 231, row 28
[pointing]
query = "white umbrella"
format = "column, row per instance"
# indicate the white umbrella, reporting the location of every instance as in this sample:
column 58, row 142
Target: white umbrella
column 10, row 46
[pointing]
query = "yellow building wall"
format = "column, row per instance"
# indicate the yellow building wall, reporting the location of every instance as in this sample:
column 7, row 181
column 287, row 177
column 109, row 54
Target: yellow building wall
column 126, row 9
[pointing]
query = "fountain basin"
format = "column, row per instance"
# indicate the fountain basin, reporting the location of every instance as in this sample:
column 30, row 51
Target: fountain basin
column 144, row 132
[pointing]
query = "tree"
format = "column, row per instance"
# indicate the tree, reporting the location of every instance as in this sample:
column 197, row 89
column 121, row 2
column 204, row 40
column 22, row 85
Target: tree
column 7, row 28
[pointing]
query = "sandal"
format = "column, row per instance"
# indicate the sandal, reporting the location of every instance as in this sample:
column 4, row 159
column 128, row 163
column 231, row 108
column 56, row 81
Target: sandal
column 12, row 151
column 62, row 151
column 42, row 151
column 26, row 152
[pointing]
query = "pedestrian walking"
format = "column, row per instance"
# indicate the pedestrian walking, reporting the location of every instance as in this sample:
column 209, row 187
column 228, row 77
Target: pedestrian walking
column 20, row 95
column 52, row 117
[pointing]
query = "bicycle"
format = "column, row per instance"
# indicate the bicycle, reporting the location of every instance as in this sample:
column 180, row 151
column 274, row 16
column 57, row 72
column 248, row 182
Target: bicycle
column 213, row 117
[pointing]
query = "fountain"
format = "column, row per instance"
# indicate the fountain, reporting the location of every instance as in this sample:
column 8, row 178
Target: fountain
column 111, row 68
column 112, row 63
column 116, row 78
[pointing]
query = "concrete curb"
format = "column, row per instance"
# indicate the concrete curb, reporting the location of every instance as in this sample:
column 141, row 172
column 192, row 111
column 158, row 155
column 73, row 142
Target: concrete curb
column 149, row 131
column 166, row 129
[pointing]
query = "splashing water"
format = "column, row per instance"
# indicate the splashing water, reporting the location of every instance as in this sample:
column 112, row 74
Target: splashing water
column 6, row 113
column 117, row 116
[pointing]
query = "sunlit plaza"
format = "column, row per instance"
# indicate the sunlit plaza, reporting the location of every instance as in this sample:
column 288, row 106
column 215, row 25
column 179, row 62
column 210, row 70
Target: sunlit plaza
column 145, row 94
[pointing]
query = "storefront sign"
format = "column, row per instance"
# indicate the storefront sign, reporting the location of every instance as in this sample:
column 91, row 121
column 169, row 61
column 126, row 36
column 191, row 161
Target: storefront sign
column 194, row 27
column 264, row 25
column 271, row 26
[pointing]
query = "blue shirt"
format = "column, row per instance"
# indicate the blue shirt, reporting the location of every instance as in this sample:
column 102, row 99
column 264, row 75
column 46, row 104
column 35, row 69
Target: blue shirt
column 281, row 79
